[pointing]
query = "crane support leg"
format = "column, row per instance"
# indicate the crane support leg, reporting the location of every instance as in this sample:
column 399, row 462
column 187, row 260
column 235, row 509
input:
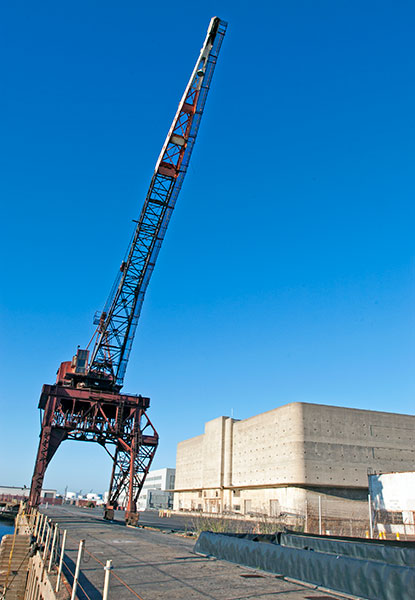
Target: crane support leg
column 50, row 440
column 130, row 467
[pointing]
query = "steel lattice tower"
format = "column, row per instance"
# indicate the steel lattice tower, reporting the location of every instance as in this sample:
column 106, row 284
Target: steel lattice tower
column 85, row 402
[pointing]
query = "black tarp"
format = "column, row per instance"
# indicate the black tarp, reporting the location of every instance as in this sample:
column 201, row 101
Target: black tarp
column 371, row 579
column 397, row 553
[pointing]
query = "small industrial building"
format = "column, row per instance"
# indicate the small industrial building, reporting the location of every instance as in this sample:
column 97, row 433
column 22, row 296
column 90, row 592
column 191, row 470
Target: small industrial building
column 157, row 490
column 393, row 502
column 294, row 460
column 8, row 492
column 156, row 493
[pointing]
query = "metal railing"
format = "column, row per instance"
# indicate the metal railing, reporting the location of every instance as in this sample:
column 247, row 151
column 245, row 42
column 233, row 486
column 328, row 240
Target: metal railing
column 49, row 543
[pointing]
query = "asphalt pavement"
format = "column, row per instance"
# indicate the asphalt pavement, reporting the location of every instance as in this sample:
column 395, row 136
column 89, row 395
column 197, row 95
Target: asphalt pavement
column 151, row 564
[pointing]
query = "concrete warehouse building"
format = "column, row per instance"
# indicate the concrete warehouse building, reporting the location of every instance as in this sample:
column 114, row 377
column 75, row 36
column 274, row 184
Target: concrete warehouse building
column 287, row 460
column 8, row 492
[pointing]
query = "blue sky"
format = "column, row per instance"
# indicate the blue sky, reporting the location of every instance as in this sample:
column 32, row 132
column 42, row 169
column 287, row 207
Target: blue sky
column 287, row 273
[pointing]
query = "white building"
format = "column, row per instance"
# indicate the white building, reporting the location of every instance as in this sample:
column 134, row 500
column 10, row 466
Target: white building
column 95, row 498
column 393, row 502
column 157, row 490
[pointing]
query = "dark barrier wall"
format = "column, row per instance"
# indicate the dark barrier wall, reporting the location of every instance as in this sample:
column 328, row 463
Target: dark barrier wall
column 398, row 553
column 374, row 580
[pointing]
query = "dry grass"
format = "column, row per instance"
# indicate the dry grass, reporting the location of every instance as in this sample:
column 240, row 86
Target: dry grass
column 260, row 524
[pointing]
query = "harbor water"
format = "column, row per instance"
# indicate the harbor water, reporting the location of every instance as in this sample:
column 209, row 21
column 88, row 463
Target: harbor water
column 6, row 527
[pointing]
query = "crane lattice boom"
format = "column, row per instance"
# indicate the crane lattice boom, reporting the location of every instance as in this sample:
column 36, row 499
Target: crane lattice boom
column 119, row 319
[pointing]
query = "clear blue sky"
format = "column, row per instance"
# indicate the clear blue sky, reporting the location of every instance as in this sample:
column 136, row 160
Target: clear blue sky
column 287, row 273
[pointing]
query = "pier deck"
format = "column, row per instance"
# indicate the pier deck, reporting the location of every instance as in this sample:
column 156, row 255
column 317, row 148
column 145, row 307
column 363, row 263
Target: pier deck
column 160, row 565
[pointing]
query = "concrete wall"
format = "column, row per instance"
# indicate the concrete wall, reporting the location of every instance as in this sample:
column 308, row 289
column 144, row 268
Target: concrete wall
column 268, row 462
column 268, row 448
column 342, row 443
column 213, row 453
column 189, row 464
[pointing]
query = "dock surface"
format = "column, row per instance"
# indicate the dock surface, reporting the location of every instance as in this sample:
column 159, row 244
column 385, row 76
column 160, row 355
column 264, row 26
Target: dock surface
column 161, row 565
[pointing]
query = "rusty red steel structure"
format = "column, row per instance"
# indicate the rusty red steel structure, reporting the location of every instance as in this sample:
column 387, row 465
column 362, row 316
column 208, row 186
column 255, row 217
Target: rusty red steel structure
column 85, row 403
column 118, row 422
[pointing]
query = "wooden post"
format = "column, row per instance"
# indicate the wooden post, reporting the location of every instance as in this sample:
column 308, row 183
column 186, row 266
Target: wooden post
column 370, row 516
column 45, row 551
column 319, row 515
column 37, row 518
column 52, row 551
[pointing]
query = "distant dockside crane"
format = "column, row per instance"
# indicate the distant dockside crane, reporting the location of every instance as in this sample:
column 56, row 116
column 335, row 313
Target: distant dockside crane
column 85, row 403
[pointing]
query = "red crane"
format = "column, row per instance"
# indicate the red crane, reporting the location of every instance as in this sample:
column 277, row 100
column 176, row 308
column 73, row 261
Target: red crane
column 85, row 402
